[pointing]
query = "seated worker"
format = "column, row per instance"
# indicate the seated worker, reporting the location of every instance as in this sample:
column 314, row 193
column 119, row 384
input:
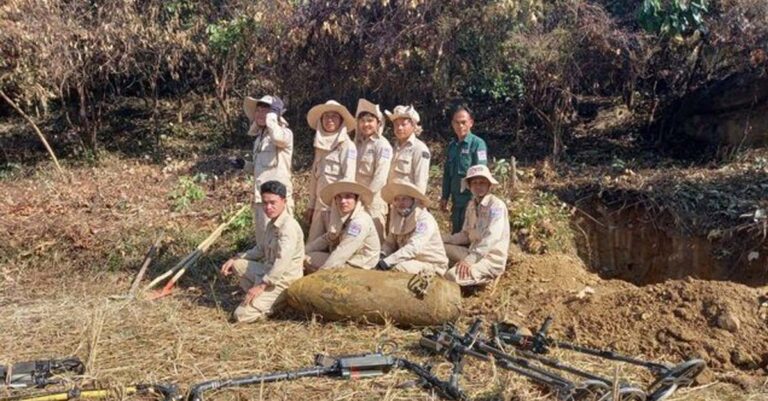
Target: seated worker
column 350, row 237
column 478, row 253
column 268, row 268
column 413, row 243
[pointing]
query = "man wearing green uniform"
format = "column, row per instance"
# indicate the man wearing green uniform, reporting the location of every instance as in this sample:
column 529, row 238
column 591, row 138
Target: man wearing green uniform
column 466, row 150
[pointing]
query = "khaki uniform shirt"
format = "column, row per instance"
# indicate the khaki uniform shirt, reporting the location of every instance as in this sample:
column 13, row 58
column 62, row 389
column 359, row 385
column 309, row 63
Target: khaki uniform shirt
column 410, row 163
column 272, row 153
column 415, row 237
column 354, row 242
column 485, row 231
column 282, row 248
column 374, row 156
column 330, row 166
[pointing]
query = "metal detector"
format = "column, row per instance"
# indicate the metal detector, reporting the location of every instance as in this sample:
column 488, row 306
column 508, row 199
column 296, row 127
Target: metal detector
column 668, row 378
column 448, row 341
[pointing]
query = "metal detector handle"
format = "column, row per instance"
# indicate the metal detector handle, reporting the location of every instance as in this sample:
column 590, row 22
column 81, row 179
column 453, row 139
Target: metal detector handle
column 540, row 341
column 444, row 389
column 474, row 329
column 545, row 327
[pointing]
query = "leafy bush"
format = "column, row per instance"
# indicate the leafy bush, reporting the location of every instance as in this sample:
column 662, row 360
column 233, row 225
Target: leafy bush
column 187, row 191
column 673, row 18
column 526, row 62
column 541, row 223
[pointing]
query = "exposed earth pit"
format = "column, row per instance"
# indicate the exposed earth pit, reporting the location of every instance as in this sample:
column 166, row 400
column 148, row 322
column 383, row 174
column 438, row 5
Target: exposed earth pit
column 630, row 244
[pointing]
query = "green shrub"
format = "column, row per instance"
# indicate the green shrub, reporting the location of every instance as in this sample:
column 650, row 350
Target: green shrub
column 541, row 223
column 673, row 18
column 187, row 191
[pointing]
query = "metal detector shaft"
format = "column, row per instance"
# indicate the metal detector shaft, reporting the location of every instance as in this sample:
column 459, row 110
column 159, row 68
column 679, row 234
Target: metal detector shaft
column 449, row 342
column 656, row 367
column 196, row 392
column 525, row 368
column 553, row 363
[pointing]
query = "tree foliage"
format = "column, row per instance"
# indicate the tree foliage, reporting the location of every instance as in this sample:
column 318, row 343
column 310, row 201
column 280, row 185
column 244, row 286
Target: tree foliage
column 524, row 62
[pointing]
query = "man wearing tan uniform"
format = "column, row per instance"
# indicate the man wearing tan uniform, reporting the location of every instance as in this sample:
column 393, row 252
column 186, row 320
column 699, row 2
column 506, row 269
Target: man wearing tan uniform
column 478, row 253
column 268, row 268
column 410, row 162
column 374, row 154
column 272, row 152
column 350, row 238
column 413, row 244
column 335, row 157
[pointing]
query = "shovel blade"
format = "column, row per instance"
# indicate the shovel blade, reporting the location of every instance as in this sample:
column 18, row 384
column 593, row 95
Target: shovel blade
column 167, row 290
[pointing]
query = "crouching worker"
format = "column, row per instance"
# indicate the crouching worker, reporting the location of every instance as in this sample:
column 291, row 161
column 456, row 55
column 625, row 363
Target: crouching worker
column 413, row 244
column 268, row 268
column 478, row 253
column 350, row 238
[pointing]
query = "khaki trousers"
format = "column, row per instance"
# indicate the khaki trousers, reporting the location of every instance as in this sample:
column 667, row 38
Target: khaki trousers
column 416, row 267
column 314, row 260
column 251, row 273
column 479, row 273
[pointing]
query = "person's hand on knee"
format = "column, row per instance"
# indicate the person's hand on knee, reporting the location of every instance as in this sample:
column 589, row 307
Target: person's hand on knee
column 462, row 270
column 254, row 292
column 227, row 267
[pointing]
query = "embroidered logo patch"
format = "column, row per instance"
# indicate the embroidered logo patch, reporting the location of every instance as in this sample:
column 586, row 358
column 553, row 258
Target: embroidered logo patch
column 421, row 227
column 482, row 155
column 425, row 155
column 465, row 151
column 386, row 153
column 352, row 153
column 354, row 229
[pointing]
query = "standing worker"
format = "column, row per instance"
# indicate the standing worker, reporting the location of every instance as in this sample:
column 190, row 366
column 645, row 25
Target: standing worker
column 466, row 150
column 374, row 158
column 272, row 152
column 335, row 157
column 410, row 162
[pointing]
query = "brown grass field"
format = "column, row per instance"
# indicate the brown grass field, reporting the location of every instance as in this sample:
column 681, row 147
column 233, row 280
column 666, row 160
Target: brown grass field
column 68, row 244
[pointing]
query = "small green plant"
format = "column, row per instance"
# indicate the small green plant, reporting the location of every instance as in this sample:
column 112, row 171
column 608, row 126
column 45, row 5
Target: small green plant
column 542, row 223
column 242, row 230
column 226, row 34
column 500, row 169
column 673, row 18
column 187, row 191
column 9, row 170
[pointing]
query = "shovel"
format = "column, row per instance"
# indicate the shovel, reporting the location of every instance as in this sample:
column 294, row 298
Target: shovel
column 188, row 261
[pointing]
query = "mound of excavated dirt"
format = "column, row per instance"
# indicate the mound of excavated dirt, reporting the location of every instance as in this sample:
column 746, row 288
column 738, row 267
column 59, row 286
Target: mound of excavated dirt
column 722, row 322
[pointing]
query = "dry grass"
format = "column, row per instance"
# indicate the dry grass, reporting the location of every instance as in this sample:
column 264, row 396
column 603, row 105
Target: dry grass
column 178, row 340
column 55, row 288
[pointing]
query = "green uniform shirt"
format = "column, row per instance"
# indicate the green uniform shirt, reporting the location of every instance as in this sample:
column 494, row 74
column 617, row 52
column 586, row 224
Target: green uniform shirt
column 461, row 156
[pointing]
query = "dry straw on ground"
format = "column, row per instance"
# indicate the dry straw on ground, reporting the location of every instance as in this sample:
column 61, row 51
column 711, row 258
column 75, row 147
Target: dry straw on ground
column 56, row 283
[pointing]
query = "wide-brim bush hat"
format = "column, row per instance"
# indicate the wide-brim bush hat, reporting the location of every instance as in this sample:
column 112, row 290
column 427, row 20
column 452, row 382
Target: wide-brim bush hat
column 250, row 104
column 404, row 112
column 339, row 187
column 314, row 114
column 478, row 170
column 403, row 188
